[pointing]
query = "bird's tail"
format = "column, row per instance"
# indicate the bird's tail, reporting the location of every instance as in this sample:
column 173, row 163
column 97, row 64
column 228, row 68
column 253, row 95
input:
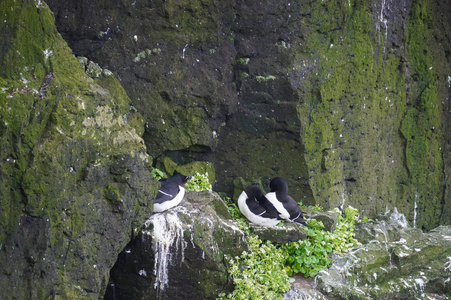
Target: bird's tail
column 300, row 220
column 306, row 225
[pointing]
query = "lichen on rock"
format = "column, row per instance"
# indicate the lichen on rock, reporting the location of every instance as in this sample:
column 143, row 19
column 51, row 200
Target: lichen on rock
column 62, row 134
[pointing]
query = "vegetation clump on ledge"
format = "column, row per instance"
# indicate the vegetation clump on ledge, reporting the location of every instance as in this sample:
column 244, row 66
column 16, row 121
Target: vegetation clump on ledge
column 264, row 271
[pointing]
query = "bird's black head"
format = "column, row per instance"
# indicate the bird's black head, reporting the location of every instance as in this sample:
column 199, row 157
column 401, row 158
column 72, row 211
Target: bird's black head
column 278, row 185
column 254, row 190
column 180, row 178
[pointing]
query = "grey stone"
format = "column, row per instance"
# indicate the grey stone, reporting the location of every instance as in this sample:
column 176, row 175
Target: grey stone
column 287, row 232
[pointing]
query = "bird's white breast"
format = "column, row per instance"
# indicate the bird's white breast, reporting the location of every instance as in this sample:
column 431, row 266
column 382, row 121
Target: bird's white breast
column 159, row 207
column 284, row 214
column 256, row 219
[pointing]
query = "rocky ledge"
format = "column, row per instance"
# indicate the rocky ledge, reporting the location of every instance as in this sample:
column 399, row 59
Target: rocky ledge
column 396, row 262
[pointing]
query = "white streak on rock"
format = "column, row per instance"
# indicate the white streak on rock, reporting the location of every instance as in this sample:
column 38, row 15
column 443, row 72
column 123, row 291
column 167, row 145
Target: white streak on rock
column 167, row 233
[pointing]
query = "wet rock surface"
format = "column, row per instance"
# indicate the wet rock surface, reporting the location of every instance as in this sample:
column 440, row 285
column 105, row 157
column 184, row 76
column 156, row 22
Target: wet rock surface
column 395, row 262
column 288, row 232
column 303, row 289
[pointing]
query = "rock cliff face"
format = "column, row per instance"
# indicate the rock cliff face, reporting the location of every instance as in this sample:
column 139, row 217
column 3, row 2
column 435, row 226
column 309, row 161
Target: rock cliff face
column 74, row 175
column 348, row 100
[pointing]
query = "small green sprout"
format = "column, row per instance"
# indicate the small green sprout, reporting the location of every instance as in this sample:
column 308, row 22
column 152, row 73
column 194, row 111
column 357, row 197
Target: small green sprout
column 263, row 78
column 158, row 174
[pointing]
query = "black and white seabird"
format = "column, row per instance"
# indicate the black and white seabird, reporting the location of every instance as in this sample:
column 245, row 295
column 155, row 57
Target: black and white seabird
column 256, row 208
column 286, row 206
column 170, row 193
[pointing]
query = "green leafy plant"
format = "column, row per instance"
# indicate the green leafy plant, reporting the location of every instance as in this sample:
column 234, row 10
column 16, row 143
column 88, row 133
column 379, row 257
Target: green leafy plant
column 258, row 273
column 233, row 209
column 316, row 207
column 343, row 236
column 237, row 215
column 264, row 271
column 198, row 182
column 311, row 255
column 158, row 174
column 365, row 220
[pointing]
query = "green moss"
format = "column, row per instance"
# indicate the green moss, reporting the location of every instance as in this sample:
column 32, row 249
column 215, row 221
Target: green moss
column 57, row 129
column 196, row 129
column 167, row 165
column 422, row 122
column 344, row 76
column 30, row 37
column 329, row 15
column 112, row 194
column 353, row 104
column 121, row 101
column 25, row 58
column 357, row 103
column 201, row 167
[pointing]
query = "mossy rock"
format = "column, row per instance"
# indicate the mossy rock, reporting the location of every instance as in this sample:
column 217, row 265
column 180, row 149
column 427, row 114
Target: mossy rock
column 201, row 167
column 74, row 179
column 239, row 184
column 281, row 234
column 328, row 218
column 166, row 165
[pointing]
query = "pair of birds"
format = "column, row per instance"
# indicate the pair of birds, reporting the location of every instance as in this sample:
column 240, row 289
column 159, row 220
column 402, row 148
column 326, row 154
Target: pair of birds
column 262, row 210
column 268, row 210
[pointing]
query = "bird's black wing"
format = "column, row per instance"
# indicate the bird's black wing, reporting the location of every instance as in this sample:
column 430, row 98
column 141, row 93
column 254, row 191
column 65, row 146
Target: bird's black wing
column 295, row 212
column 270, row 210
column 168, row 190
column 255, row 207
